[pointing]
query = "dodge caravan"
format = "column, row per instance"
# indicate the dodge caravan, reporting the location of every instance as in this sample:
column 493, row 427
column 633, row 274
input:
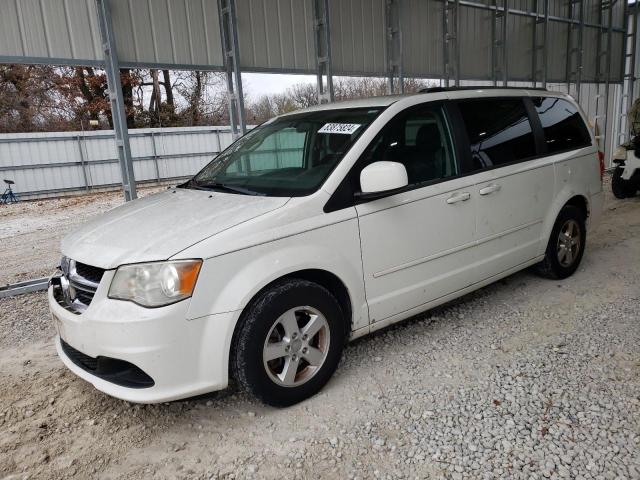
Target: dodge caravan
column 321, row 226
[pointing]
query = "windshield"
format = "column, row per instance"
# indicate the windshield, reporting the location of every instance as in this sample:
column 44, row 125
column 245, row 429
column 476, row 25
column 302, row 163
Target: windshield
column 290, row 156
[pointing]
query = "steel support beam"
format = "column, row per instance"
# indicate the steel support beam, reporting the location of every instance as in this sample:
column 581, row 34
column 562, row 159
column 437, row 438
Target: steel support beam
column 524, row 13
column 607, row 82
column 598, row 74
column 118, row 113
column 451, row 54
column 632, row 12
column 545, row 47
column 539, row 49
column 625, row 125
column 580, row 51
column 322, row 42
column 231, row 57
column 20, row 288
column 534, row 47
column 575, row 34
column 499, row 61
column 393, row 45
column 633, row 18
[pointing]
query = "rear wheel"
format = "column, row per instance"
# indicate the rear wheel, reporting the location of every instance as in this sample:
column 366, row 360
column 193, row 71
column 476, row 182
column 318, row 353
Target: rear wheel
column 621, row 188
column 289, row 342
column 566, row 244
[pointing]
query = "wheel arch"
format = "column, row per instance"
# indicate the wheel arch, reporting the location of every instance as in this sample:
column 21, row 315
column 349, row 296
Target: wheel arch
column 325, row 278
column 578, row 200
column 322, row 277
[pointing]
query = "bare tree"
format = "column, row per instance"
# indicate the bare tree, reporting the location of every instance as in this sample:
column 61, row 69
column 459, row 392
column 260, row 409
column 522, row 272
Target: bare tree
column 64, row 98
column 27, row 98
column 205, row 98
column 282, row 103
column 168, row 90
column 260, row 110
column 303, row 95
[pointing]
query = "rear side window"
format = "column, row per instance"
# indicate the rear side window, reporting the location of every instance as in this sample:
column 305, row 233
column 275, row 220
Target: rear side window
column 563, row 126
column 499, row 131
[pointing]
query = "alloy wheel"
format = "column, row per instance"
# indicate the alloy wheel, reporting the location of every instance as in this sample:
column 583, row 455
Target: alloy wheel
column 569, row 241
column 296, row 346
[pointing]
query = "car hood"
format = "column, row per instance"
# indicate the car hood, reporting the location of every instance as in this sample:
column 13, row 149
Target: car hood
column 161, row 225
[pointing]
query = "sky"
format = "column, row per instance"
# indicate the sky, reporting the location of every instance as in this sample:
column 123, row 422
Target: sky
column 258, row 84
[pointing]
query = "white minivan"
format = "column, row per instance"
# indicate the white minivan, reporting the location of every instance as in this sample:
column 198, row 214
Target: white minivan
column 321, row 226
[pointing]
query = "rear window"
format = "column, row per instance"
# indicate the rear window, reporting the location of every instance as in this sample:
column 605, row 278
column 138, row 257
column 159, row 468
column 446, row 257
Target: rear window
column 499, row 131
column 563, row 126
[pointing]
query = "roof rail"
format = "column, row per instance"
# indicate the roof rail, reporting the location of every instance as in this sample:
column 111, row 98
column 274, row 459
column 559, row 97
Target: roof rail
column 476, row 87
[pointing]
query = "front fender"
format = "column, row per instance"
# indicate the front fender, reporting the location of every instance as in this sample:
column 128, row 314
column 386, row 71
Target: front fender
column 228, row 282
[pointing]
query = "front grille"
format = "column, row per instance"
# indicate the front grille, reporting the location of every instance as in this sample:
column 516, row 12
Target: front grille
column 77, row 285
column 112, row 370
column 84, row 297
column 89, row 272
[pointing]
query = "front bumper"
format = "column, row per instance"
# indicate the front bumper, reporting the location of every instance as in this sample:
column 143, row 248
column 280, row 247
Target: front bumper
column 182, row 357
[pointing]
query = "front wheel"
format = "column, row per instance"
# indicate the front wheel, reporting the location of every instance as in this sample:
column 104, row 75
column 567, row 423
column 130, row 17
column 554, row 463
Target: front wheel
column 566, row 244
column 289, row 342
column 621, row 188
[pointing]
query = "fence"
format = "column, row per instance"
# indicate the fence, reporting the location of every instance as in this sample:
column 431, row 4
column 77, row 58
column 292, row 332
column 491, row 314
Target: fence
column 55, row 163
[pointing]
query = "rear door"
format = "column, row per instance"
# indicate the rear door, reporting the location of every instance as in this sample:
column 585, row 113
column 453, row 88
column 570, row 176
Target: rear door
column 568, row 144
column 514, row 181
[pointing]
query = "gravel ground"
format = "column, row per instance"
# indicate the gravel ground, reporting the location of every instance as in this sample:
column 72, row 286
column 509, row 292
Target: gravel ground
column 30, row 232
column 526, row 378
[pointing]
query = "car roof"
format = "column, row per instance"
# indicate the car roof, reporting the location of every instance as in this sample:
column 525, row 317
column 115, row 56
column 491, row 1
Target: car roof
column 382, row 101
column 453, row 93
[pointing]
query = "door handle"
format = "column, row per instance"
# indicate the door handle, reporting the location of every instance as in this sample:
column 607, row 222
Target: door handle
column 490, row 189
column 458, row 197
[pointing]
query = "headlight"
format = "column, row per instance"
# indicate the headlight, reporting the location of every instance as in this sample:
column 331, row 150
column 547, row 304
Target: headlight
column 155, row 284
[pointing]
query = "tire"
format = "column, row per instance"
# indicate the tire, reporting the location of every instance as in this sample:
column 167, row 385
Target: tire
column 558, row 262
column 274, row 325
column 621, row 188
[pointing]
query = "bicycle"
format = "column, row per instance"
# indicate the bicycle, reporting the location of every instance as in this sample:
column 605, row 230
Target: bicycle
column 8, row 196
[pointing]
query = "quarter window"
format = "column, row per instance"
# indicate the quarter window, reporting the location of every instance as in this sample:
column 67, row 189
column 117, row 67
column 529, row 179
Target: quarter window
column 421, row 141
column 563, row 126
column 499, row 131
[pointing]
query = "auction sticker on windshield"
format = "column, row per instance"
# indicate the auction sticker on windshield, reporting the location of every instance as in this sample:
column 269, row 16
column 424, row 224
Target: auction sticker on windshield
column 343, row 128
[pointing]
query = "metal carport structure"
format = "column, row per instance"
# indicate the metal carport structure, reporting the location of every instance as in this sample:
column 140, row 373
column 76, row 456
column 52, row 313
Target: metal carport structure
column 585, row 45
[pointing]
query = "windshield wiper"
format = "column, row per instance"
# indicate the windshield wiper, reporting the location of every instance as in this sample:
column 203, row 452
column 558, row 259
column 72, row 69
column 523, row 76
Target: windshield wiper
column 224, row 187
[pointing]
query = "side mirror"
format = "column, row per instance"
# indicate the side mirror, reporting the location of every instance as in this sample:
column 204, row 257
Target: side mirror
column 381, row 177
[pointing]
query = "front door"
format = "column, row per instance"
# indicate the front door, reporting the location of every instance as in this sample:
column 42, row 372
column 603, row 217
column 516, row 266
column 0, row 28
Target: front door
column 417, row 246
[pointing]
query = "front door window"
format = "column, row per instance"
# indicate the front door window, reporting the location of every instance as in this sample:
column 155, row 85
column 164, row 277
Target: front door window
column 421, row 141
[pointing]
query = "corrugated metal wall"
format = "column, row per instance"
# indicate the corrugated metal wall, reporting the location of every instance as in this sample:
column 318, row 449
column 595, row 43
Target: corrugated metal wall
column 357, row 35
column 422, row 30
column 54, row 28
column 163, row 32
column 277, row 35
column 44, row 164
column 475, row 32
column 179, row 32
